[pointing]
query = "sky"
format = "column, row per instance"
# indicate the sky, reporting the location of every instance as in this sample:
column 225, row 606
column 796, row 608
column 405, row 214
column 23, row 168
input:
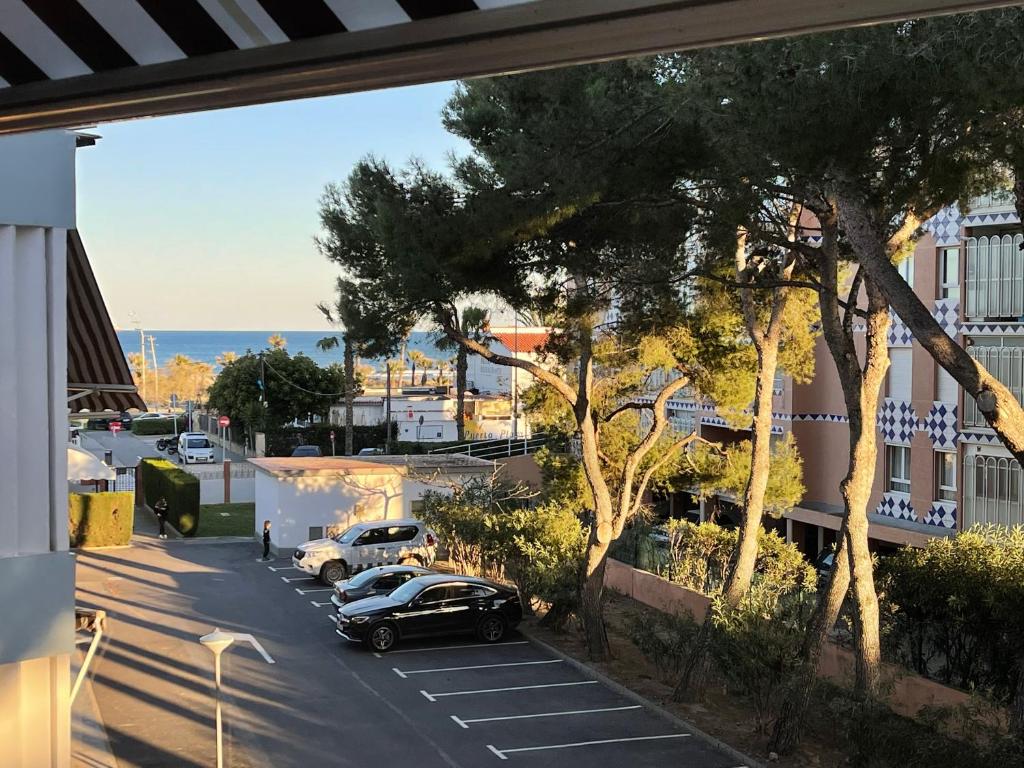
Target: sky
column 206, row 221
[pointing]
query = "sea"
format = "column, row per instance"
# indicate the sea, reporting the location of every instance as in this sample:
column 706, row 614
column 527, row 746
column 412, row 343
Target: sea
column 207, row 346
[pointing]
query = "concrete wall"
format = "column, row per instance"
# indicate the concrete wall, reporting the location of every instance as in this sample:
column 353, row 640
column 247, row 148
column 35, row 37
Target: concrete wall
column 908, row 694
column 36, row 209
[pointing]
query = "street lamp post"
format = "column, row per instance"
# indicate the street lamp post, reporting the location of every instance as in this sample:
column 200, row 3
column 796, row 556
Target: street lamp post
column 218, row 642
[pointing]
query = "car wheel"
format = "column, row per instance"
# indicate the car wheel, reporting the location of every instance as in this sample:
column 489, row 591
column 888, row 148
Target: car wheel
column 332, row 572
column 382, row 636
column 491, row 628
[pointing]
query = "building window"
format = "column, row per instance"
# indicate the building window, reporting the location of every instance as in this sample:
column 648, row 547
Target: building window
column 900, row 373
column 949, row 273
column 992, row 493
column 994, row 277
column 945, row 476
column 897, row 460
column 1003, row 357
column 906, row 270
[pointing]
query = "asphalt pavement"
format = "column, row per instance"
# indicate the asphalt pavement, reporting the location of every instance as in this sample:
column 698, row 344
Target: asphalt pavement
column 449, row 703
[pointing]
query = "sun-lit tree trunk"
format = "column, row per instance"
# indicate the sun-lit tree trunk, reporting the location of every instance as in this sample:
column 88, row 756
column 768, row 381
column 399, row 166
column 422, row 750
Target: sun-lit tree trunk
column 350, row 394
column 461, row 365
column 766, row 339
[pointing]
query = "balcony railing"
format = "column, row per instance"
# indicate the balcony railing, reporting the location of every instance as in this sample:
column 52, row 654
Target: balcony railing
column 995, row 277
column 1007, row 365
column 992, row 491
column 1001, row 199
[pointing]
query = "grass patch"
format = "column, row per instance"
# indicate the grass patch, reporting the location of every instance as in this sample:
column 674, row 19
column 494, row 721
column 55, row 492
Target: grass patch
column 236, row 519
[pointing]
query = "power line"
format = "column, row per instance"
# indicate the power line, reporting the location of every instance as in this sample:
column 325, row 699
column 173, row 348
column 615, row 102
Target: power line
column 296, row 386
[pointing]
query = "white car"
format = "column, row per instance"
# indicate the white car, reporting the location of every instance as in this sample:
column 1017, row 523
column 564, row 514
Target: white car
column 367, row 545
column 195, row 448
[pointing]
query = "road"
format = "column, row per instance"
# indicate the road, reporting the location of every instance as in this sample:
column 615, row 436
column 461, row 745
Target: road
column 442, row 704
column 129, row 448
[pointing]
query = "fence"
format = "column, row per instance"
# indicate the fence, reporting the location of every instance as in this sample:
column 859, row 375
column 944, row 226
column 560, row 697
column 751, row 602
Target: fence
column 241, row 487
column 125, row 479
column 497, row 449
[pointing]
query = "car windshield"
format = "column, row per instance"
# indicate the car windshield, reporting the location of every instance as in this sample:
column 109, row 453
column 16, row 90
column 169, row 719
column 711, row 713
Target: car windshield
column 348, row 536
column 198, row 442
column 407, row 591
column 363, row 578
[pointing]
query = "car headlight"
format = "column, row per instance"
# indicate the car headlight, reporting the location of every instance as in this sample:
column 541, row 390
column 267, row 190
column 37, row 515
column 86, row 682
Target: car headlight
column 359, row 619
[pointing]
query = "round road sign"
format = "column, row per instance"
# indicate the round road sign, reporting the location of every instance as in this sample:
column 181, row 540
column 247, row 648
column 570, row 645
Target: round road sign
column 115, row 427
column 224, row 421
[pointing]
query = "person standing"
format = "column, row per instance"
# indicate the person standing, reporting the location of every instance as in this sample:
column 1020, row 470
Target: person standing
column 161, row 515
column 266, row 539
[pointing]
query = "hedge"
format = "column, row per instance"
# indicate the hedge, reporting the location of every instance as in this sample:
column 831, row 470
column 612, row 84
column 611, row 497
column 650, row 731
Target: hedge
column 100, row 519
column 154, row 427
column 281, row 442
column 181, row 490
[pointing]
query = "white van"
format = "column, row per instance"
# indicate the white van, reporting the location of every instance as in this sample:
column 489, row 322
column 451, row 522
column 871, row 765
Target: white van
column 367, row 545
column 195, row 448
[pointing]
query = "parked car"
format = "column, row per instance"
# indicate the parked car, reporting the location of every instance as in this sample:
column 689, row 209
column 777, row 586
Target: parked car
column 152, row 415
column 370, row 452
column 126, row 421
column 307, row 451
column 375, row 581
column 432, row 605
column 823, row 565
column 367, row 545
column 195, row 448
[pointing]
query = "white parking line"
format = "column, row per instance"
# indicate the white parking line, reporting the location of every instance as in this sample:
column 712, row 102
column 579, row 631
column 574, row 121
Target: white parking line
column 465, row 723
column 501, row 753
column 436, row 696
column 407, row 672
column 297, row 578
column 307, row 591
column 315, row 604
column 455, row 647
column 282, row 568
column 332, row 620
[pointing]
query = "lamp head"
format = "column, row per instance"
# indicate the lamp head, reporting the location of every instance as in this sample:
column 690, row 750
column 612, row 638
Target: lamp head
column 217, row 641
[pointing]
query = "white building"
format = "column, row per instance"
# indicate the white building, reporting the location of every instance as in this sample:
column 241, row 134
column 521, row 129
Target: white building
column 309, row 498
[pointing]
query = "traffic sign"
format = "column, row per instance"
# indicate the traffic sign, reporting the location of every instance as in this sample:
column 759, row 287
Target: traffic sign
column 115, row 427
column 224, row 421
column 332, row 434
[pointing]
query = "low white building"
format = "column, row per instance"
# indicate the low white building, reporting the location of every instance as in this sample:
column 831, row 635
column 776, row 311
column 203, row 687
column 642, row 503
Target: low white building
column 309, row 498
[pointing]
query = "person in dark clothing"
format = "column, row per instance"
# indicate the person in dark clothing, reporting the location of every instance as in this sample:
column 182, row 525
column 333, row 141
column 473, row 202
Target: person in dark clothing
column 266, row 539
column 161, row 515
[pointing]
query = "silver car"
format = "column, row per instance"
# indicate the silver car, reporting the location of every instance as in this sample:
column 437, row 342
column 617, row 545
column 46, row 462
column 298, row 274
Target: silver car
column 367, row 545
column 375, row 581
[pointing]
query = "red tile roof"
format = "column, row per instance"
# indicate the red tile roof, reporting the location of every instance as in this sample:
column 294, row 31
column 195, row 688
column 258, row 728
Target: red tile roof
column 524, row 341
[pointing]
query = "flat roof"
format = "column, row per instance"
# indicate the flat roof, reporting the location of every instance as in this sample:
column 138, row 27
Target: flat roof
column 293, row 466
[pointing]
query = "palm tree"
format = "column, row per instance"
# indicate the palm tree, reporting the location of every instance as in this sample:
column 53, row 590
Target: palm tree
column 473, row 323
column 277, row 341
column 442, row 371
column 226, row 358
column 417, row 358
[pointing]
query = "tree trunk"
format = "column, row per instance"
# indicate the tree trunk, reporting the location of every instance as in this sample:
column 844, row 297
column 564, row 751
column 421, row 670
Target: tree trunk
column 592, row 596
column 792, row 713
column 350, row 396
column 1004, row 414
column 461, row 366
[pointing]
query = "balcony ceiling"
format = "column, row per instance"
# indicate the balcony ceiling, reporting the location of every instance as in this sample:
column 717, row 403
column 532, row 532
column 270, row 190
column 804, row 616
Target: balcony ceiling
column 66, row 63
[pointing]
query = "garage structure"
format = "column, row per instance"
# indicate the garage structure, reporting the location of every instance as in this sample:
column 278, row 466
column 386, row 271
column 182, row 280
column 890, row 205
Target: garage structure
column 310, row 498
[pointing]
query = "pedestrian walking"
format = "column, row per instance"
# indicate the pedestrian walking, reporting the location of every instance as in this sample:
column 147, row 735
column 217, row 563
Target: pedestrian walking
column 266, row 539
column 161, row 515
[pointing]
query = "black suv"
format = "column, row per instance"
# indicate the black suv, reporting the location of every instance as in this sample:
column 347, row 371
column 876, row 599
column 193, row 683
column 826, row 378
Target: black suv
column 432, row 605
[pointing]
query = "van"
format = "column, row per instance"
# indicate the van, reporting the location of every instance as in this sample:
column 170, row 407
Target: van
column 367, row 545
column 195, row 448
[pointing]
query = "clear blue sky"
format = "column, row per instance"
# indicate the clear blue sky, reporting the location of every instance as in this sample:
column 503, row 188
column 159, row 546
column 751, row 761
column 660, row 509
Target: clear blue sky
column 206, row 221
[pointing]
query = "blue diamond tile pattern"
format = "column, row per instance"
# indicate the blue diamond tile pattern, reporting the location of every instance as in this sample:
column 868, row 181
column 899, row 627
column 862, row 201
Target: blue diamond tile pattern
column 897, row 421
column 992, row 329
column 945, row 226
column 942, row 514
column 896, row 505
column 947, row 315
column 941, row 425
column 985, row 219
column 899, row 334
column 832, row 418
column 984, row 438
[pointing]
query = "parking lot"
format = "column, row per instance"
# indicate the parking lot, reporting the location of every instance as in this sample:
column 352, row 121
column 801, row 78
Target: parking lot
column 451, row 702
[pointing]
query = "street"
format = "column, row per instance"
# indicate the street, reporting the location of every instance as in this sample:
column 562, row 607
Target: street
column 451, row 702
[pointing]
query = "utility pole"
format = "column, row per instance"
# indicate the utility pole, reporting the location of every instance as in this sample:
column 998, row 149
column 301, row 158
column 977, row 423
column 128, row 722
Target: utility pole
column 156, row 369
column 387, row 410
column 515, row 380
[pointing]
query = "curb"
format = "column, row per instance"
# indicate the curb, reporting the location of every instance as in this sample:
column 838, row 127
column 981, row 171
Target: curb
column 664, row 714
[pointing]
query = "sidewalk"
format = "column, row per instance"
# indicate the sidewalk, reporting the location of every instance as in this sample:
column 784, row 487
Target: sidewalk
column 146, row 525
column 90, row 747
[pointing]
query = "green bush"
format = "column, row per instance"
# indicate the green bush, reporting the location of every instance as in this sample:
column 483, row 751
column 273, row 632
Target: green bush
column 100, row 519
column 954, row 609
column 181, row 490
column 665, row 639
column 281, row 442
column 153, row 427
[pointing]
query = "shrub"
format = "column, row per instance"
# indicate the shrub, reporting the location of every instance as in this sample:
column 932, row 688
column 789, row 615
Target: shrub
column 162, row 478
column 954, row 608
column 100, row 519
column 664, row 638
column 154, row 427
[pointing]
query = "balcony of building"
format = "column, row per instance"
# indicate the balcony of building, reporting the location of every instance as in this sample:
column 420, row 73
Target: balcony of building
column 994, row 278
column 992, row 491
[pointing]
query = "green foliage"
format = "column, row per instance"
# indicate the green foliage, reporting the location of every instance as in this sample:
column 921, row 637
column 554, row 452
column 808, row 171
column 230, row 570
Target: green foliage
column 232, row 519
column 154, row 427
column 714, row 470
column 294, row 387
column 699, row 557
column 663, row 638
column 955, row 608
column 101, row 519
column 757, row 645
column 161, row 478
column 488, row 527
column 283, row 440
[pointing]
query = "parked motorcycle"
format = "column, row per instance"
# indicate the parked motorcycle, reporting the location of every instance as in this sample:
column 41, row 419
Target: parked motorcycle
column 162, row 443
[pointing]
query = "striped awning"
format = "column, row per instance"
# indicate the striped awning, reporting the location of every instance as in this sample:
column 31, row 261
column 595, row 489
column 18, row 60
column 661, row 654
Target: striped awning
column 98, row 374
column 68, row 63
